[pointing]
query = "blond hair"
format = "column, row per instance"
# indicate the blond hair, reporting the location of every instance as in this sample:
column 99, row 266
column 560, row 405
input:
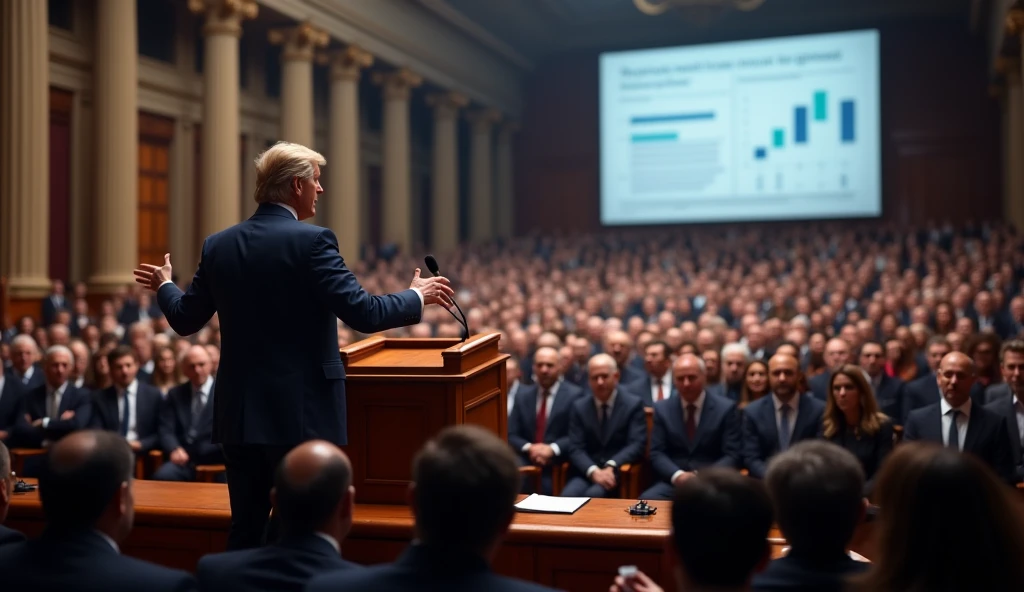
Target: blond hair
column 278, row 165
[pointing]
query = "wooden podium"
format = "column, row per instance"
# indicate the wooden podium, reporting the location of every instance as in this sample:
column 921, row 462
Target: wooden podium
column 401, row 392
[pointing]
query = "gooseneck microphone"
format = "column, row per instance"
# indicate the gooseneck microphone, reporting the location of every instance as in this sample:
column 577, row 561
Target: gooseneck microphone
column 436, row 271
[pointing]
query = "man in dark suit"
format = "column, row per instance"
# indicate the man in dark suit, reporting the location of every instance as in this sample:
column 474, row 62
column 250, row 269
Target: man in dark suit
column 314, row 499
column 735, row 357
column 53, row 410
column 956, row 422
column 1005, row 399
column 11, row 394
column 538, row 428
column 769, row 424
column 186, row 421
column 7, row 535
column 512, row 383
column 23, row 367
column 655, row 384
column 128, row 407
column 607, row 429
column 465, row 483
column 888, row 389
column 278, row 287
column 619, row 346
column 837, row 354
column 692, row 431
column 86, row 492
column 56, row 301
column 924, row 391
column 816, row 488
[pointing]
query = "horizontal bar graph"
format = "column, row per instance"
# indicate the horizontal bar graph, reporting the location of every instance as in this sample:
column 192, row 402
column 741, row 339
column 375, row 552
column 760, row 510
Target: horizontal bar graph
column 846, row 128
column 696, row 116
column 660, row 137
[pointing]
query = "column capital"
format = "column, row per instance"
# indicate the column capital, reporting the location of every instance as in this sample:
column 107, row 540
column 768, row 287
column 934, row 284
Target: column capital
column 346, row 63
column 300, row 42
column 484, row 117
column 1014, row 23
column 397, row 84
column 224, row 17
column 446, row 104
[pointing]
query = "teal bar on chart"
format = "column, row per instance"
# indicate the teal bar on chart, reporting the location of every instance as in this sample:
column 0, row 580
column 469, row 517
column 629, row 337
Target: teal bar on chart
column 820, row 105
column 778, row 138
column 664, row 137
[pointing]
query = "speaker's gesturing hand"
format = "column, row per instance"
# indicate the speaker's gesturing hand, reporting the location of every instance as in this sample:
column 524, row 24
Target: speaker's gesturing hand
column 435, row 290
column 151, row 276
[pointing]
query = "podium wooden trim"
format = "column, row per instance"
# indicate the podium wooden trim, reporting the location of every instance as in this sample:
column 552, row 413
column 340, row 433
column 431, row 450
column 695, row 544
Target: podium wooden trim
column 401, row 392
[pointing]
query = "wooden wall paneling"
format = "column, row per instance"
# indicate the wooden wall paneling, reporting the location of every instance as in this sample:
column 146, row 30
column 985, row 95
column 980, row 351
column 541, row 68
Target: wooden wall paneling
column 155, row 137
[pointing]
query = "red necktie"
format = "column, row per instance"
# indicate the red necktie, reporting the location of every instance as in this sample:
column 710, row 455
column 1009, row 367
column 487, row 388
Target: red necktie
column 691, row 421
column 542, row 417
column 661, row 391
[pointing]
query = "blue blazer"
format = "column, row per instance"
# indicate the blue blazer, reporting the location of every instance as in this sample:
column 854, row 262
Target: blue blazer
column 148, row 402
column 642, row 388
column 33, row 404
column 761, row 436
column 819, row 385
column 624, row 440
column 278, row 286
column 918, row 393
column 522, row 424
column 716, row 443
column 10, row 404
column 889, row 396
column 9, row 535
column 286, row 566
column 1003, row 407
column 83, row 561
column 986, row 436
column 176, row 427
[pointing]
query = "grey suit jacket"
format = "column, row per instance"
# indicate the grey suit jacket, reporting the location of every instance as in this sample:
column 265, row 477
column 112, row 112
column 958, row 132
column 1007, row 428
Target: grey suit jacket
column 997, row 392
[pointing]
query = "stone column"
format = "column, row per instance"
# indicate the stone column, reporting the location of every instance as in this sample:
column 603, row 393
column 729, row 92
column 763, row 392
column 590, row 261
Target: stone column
column 184, row 239
column 445, row 178
column 344, row 214
column 481, row 184
column 115, row 105
column 221, row 178
column 504, row 181
column 300, row 44
column 396, row 157
column 24, row 148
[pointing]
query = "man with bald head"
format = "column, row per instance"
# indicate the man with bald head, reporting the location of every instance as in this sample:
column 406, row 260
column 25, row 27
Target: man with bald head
column 538, row 429
column 837, row 354
column 186, row 421
column 54, row 409
column 773, row 423
column 313, row 498
column 957, row 423
column 693, row 431
column 86, row 493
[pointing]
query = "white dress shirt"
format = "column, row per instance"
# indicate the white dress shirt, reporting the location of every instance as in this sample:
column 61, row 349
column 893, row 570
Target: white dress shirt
column 203, row 394
column 333, row 541
column 547, row 410
column 131, row 392
column 597, row 405
column 510, row 400
column 3, row 381
column 109, row 540
column 80, row 382
column 794, row 406
column 27, row 376
column 53, row 398
column 666, row 386
column 1018, row 407
column 961, row 421
column 699, row 406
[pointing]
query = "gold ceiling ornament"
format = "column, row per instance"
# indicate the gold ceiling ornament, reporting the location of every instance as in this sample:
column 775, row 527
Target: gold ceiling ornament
column 656, row 7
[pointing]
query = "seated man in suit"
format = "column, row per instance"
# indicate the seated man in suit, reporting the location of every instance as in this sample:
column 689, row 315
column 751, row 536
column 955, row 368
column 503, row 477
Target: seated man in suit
column 769, row 424
column 837, row 355
column 656, row 383
column 128, row 407
column 24, row 369
column 512, row 382
column 7, row 535
column 924, row 391
column 888, row 389
column 956, row 422
column 619, row 346
column 607, row 429
column 186, row 421
column 735, row 357
column 538, row 428
column 52, row 410
column 465, row 483
column 692, row 431
column 817, row 490
column 86, row 493
column 11, row 393
column 1009, row 400
column 313, row 498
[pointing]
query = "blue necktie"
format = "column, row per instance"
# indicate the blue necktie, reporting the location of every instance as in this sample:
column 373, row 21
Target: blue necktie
column 784, row 429
column 125, row 414
column 953, row 441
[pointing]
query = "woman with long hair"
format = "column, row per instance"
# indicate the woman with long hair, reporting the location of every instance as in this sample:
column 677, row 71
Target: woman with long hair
column 97, row 375
column 852, row 420
column 166, row 372
column 755, row 383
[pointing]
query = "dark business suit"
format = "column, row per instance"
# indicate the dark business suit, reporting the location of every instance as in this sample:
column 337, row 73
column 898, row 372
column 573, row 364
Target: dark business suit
column 643, row 386
column 870, row 450
column 761, row 434
column 84, row 562
column 177, row 430
column 889, row 395
column 795, row 573
column 50, row 306
column 623, row 441
column 9, row 535
column 997, row 392
column 986, row 436
column 522, row 424
column 37, row 378
column 148, row 401
column 629, row 374
column 1004, row 407
column 819, row 385
column 10, row 403
column 421, row 568
column 920, row 392
column 716, row 442
column 33, row 404
column 284, row 566
column 278, row 286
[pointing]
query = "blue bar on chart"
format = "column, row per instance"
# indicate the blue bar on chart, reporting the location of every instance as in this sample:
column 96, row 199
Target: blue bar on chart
column 846, row 121
column 760, row 153
column 662, row 137
column 800, row 125
column 698, row 116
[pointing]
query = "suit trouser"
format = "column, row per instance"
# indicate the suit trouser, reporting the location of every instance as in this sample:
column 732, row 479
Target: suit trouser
column 250, row 471
column 583, row 487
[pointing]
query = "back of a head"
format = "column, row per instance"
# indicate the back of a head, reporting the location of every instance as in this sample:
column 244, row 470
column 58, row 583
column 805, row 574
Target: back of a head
column 304, row 500
column 720, row 523
column 82, row 474
column 946, row 523
column 278, row 165
column 466, row 482
column 817, row 491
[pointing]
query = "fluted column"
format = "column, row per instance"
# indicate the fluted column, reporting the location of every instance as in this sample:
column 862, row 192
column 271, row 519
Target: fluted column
column 221, row 179
column 343, row 210
column 445, row 177
column 300, row 44
column 504, row 186
column 115, row 105
column 397, row 154
column 24, row 148
column 481, row 183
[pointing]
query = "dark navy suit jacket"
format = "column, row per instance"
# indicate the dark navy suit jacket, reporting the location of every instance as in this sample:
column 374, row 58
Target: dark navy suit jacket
column 176, row 427
column 624, row 439
column 642, row 388
column 986, row 435
column 1003, row 406
column 761, row 435
column 84, row 562
column 522, row 424
column 148, row 402
column 10, row 404
column 819, row 385
column 285, row 566
column 889, row 396
column 278, row 287
column 798, row 574
column 716, row 443
column 918, row 393
column 34, row 405
column 37, row 377
column 9, row 535
column 420, row 568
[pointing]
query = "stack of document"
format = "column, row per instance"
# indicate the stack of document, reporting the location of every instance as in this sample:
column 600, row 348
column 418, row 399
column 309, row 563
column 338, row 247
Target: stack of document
column 546, row 504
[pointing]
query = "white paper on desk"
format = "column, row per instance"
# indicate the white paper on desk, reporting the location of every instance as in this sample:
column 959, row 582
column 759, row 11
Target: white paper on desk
column 551, row 505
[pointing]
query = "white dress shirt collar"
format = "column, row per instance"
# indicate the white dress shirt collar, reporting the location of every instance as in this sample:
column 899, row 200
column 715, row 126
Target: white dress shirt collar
column 698, row 402
column 109, row 540
column 610, row 402
column 793, row 403
column 945, row 407
column 287, row 207
column 28, row 373
column 333, row 541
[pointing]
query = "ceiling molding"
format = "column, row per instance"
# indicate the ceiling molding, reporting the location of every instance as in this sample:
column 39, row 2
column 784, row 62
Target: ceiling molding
column 478, row 33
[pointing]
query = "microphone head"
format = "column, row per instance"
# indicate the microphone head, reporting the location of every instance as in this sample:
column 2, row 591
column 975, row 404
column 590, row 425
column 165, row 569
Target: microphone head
column 432, row 264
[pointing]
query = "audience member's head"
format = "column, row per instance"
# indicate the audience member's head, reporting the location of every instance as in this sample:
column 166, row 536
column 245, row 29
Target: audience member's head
column 872, row 358
column 688, row 375
column 935, row 350
column 6, row 482
column 603, row 374
column 57, row 365
column 956, row 376
column 1011, row 364
column 657, row 358
column 783, row 376
column 313, row 491
column 124, row 366
column 734, row 362
column 196, row 365
column 851, row 402
column 24, row 352
column 837, row 353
